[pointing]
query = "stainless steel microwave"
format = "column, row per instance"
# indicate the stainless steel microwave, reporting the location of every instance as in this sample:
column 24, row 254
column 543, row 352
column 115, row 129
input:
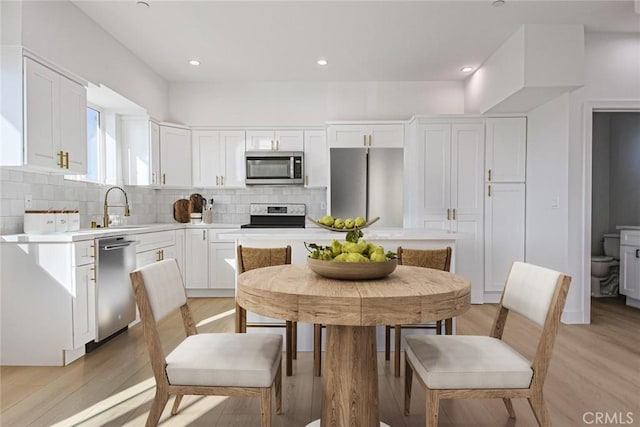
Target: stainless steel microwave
column 274, row 167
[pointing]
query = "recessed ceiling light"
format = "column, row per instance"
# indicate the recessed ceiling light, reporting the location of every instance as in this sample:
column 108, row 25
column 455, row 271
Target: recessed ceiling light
column 194, row 62
column 322, row 61
column 497, row 3
column 142, row 4
column 466, row 69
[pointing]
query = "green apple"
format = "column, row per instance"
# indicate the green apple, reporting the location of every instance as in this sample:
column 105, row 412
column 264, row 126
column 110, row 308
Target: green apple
column 360, row 221
column 349, row 223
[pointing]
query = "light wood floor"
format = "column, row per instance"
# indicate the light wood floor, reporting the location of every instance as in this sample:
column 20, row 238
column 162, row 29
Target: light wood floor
column 594, row 368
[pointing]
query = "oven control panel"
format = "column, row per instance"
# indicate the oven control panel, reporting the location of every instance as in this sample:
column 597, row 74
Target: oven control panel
column 292, row 209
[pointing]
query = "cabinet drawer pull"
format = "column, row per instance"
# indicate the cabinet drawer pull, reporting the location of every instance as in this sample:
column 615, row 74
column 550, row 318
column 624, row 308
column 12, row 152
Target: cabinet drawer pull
column 489, row 175
column 60, row 159
column 204, row 234
column 637, row 253
column 159, row 253
column 93, row 250
column 489, row 191
column 93, row 276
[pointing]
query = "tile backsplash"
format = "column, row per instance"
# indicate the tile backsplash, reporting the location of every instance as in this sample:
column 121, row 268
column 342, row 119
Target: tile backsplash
column 48, row 191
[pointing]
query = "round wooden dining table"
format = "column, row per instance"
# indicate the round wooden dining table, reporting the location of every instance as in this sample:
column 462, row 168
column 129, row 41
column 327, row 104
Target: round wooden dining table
column 351, row 309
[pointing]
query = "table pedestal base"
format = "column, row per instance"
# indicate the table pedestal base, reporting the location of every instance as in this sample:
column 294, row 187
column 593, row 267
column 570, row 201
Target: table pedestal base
column 350, row 377
column 316, row 423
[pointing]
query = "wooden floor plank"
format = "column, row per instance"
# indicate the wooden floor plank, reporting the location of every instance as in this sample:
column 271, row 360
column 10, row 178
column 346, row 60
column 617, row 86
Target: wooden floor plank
column 594, row 368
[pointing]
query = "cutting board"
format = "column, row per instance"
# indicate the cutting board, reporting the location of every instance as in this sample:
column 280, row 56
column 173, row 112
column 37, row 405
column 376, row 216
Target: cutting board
column 181, row 211
column 196, row 201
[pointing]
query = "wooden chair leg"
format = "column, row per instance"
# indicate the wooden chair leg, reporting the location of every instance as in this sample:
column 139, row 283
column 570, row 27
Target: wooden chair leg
column 387, row 342
column 448, row 326
column 278, row 390
column 159, row 402
column 432, row 407
column 317, row 349
column 176, row 404
column 396, row 350
column 509, row 405
column 408, row 376
column 536, row 401
column 439, row 327
column 294, row 340
column 288, row 349
column 265, row 406
column 241, row 319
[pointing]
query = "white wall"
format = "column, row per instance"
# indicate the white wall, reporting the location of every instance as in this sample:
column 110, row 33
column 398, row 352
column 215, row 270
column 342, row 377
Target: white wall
column 548, row 181
column 63, row 34
column 298, row 103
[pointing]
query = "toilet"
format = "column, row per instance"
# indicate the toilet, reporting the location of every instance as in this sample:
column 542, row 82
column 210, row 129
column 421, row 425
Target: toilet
column 605, row 268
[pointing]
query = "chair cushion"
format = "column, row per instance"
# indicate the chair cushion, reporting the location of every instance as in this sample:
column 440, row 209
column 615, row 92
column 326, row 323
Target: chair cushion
column 232, row 360
column 467, row 362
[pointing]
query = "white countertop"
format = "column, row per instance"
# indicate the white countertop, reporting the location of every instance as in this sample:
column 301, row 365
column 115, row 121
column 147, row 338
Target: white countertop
column 628, row 227
column 234, row 232
column 96, row 233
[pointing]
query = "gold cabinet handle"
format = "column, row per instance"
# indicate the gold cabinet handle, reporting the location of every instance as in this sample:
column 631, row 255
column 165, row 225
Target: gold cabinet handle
column 60, row 159
column 364, row 140
column 217, row 180
column 153, row 177
column 204, row 234
column 370, row 140
column 159, row 253
column 66, row 160
column 454, row 214
column 489, row 191
column 164, row 178
column 489, row 175
column 93, row 250
column 306, row 180
column 221, row 179
column 93, row 276
column 448, row 214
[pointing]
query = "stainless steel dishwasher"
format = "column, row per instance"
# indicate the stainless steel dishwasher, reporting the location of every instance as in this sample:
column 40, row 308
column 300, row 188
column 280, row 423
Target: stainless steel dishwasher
column 115, row 302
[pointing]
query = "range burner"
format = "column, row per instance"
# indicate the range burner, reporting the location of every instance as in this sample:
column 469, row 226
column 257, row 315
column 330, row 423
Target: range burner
column 266, row 215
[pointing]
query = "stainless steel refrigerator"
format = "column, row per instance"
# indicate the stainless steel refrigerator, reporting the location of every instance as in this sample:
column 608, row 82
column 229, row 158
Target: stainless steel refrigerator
column 367, row 182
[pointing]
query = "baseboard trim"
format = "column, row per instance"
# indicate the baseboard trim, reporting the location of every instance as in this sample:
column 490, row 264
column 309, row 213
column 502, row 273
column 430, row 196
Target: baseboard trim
column 574, row 318
column 632, row 302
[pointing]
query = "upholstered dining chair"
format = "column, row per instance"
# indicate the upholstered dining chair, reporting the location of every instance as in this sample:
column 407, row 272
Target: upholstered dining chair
column 467, row 367
column 249, row 259
column 437, row 259
column 202, row 364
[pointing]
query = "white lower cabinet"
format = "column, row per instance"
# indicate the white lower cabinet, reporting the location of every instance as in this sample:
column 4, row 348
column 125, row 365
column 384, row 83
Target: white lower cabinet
column 209, row 263
column 222, row 259
column 504, row 234
column 630, row 264
column 196, row 272
column 47, row 302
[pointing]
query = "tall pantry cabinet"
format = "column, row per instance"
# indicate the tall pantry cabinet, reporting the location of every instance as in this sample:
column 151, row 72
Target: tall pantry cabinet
column 505, row 174
column 443, row 181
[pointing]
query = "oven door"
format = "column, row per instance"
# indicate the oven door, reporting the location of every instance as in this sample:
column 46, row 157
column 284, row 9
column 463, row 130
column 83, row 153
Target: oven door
column 273, row 168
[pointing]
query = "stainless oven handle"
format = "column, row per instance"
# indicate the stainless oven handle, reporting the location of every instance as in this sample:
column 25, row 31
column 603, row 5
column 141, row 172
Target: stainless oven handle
column 119, row 245
column 291, row 169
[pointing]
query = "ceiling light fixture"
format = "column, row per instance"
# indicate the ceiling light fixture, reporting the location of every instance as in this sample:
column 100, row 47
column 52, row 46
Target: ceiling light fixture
column 322, row 61
column 466, row 69
column 142, row 4
column 194, row 62
column 497, row 3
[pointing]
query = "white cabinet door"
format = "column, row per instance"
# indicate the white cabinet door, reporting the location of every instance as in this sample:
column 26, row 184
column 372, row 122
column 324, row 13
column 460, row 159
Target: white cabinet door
column 42, row 112
column 206, row 158
column 232, row 154
column 391, row 136
column 140, row 150
column 346, row 136
column 504, row 232
column 506, row 149
column 84, row 305
column 196, row 269
column 154, row 138
column 73, row 126
column 175, row 156
column 258, row 140
column 630, row 271
column 222, row 259
column 316, row 159
column 289, row 140
column 434, row 176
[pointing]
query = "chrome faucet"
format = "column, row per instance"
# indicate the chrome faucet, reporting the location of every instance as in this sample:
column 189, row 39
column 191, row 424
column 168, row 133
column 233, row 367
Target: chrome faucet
column 127, row 212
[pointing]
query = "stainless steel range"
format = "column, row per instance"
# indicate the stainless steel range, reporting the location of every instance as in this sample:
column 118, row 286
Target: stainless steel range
column 269, row 215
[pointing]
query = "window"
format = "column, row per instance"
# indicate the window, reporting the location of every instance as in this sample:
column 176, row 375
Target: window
column 101, row 149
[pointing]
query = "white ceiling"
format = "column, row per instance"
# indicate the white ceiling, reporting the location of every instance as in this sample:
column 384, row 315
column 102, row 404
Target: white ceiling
column 363, row 41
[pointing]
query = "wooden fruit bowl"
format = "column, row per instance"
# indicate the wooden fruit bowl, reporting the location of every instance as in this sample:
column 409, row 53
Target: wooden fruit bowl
column 343, row 230
column 352, row 270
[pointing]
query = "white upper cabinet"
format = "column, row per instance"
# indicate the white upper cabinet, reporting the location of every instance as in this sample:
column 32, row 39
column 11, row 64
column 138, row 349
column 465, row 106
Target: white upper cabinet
column 506, row 149
column 141, row 150
column 175, row 156
column 316, row 159
column 218, row 158
column 55, row 120
column 275, row 140
column 366, row 135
